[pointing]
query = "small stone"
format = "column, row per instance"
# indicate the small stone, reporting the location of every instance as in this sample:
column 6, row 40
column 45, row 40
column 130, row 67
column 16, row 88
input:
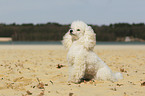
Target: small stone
column 119, row 84
column 40, row 86
column 51, row 82
column 59, row 66
column 71, row 94
column 114, row 89
column 121, row 69
column 68, row 84
column 143, row 84
column 46, row 84
column 28, row 92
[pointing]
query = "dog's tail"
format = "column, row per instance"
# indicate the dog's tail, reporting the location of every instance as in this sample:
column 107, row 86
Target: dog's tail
column 118, row 75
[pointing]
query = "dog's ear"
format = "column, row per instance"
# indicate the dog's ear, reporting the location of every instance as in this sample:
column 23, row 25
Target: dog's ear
column 67, row 40
column 89, row 38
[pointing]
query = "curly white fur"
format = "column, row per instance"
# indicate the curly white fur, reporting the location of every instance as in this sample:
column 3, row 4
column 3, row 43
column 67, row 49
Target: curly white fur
column 83, row 62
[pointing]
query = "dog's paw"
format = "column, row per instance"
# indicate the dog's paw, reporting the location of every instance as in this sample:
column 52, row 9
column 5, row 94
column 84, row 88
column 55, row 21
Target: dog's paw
column 76, row 81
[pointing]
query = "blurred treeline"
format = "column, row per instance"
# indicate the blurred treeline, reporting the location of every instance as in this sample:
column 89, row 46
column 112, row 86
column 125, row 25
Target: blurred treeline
column 55, row 31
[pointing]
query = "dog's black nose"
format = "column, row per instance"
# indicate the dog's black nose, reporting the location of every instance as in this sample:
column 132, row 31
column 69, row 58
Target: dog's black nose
column 70, row 30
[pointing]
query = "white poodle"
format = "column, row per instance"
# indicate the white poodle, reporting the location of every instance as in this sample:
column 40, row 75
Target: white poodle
column 83, row 62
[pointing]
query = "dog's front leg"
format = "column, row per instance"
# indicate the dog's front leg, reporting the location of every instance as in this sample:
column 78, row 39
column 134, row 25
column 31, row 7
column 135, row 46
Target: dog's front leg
column 77, row 70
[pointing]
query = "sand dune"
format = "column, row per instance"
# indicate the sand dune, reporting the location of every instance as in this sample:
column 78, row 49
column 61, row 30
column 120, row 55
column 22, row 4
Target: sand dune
column 33, row 71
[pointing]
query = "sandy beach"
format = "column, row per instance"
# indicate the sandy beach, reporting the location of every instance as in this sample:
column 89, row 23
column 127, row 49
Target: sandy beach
column 42, row 70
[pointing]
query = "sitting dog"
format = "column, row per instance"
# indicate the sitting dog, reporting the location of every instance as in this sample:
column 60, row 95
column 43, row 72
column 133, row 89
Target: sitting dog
column 83, row 62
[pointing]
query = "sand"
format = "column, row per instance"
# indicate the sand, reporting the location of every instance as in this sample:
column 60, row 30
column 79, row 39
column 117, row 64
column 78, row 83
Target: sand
column 32, row 70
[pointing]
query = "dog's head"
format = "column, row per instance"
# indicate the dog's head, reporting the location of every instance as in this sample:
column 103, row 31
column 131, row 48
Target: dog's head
column 82, row 33
column 77, row 29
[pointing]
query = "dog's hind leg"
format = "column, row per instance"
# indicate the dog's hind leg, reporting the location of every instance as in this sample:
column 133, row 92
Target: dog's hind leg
column 105, row 73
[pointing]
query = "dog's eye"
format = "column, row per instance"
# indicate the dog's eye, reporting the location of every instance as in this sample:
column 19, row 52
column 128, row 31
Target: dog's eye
column 78, row 29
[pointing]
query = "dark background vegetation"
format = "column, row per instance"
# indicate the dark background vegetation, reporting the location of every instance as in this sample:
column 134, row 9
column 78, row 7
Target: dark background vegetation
column 55, row 31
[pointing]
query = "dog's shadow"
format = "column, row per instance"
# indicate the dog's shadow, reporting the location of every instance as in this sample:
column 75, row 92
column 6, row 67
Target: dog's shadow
column 86, row 79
